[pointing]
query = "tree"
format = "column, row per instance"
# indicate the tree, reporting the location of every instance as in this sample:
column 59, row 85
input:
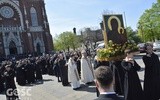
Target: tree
column 66, row 40
column 132, row 35
column 90, row 37
column 149, row 23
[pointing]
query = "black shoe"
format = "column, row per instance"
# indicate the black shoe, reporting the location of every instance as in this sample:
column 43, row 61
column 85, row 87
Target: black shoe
column 89, row 83
column 76, row 88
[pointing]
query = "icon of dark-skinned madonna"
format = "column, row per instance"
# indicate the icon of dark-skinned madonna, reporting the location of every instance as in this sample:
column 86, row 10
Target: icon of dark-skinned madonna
column 115, row 29
column 115, row 39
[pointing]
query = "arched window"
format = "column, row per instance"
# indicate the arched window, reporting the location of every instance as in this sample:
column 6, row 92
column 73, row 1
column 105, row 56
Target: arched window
column 38, row 48
column 12, row 48
column 34, row 19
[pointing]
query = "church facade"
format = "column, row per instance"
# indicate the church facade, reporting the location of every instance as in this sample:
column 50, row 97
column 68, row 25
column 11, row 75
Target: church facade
column 24, row 27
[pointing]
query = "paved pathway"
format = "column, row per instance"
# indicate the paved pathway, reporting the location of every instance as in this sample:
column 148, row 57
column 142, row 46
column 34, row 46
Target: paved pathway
column 52, row 90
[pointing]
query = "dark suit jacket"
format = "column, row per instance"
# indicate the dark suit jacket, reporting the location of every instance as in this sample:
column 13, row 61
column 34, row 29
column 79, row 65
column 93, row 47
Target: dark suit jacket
column 109, row 97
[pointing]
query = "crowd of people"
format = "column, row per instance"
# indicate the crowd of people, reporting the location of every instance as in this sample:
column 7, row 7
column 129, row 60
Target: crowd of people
column 26, row 71
column 66, row 67
column 113, row 78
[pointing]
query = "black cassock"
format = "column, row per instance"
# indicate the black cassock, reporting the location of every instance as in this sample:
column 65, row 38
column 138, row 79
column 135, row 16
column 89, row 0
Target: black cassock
column 152, row 77
column 1, row 84
column 57, row 70
column 20, row 75
column 50, row 67
column 43, row 66
column 1, row 79
column 38, row 70
column 119, row 77
column 132, row 85
column 11, row 93
column 63, row 72
column 30, row 73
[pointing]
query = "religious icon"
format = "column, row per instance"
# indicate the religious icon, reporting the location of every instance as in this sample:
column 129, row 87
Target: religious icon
column 114, row 29
column 119, row 24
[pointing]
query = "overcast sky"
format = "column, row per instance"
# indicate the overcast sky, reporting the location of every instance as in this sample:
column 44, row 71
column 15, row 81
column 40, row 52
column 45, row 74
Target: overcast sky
column 63, row 15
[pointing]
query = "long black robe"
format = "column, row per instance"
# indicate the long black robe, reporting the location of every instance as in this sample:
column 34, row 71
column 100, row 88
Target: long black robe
column 57, row 70
column 10, row 85
column 43, row 66
column 119, row 77
column 63, row 72
column 50, row 68
column 20, row 75
column 30, row 73
column 132, row 85
column 1, row 84
column 38, row 70
column 152, row 77
column 78, row 62
column 1, row 80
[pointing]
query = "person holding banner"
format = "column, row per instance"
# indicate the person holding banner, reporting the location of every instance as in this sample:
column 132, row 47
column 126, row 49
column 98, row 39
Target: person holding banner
column 73, row 75
column 132, row 84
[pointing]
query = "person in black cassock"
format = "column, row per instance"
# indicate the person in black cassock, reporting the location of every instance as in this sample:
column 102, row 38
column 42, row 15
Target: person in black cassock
column 1, row 83
column 152, row 74
column 20, row 73
column 119, row 76
column 47, row 64
column 50, row 65
column 2, row 69
column 1, row 79
column 38, row 70
column 43, row 65
column 132, row 85
column 57, row 69
column 63, row 70
column 11, row 93
column 29, row 72
column 78, row 62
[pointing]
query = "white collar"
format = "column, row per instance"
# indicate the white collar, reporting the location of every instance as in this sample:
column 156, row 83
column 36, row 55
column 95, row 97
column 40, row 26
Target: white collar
column 108, row 93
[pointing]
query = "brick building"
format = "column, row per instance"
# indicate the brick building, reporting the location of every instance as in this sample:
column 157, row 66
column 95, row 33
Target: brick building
column 24, row 27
